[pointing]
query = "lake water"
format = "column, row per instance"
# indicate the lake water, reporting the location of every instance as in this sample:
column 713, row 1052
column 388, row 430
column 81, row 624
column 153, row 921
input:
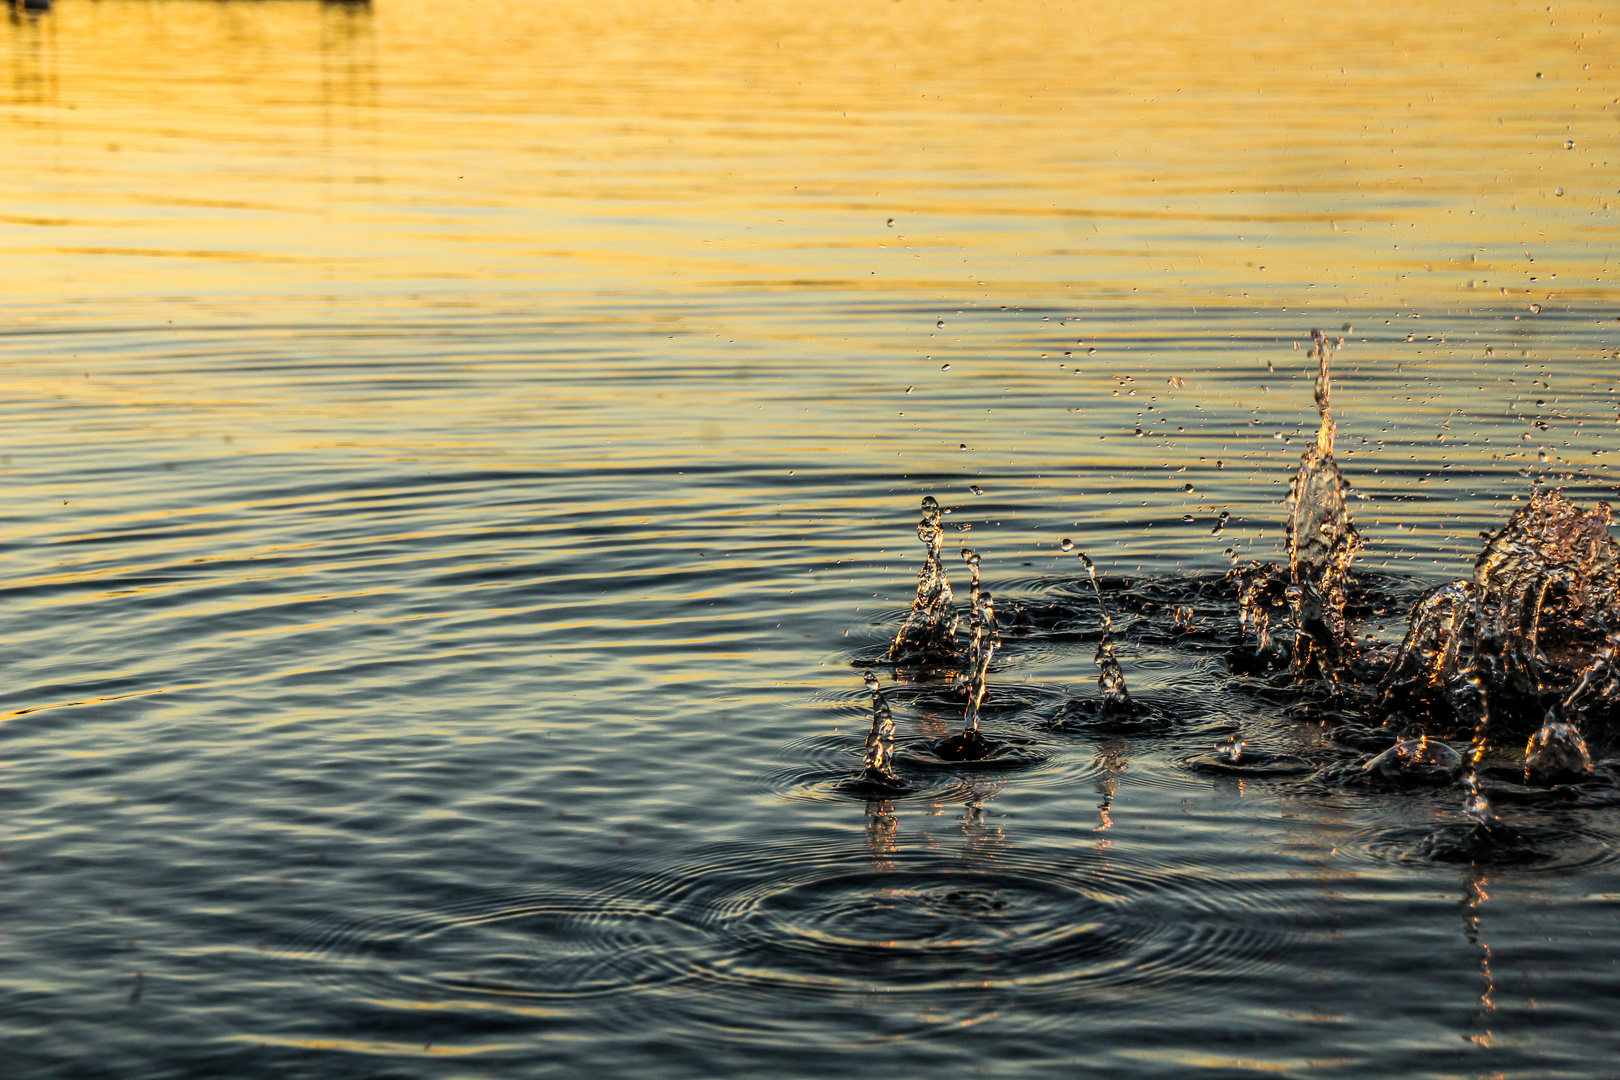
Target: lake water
column 458, row 457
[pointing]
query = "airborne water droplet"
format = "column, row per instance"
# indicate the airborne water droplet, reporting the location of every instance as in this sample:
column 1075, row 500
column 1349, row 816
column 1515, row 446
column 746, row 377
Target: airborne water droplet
column 940, row 324
column 1535, row 309
column 1558, row 192
column 944, row 367
column 1067, row 544
column 976, row 489
column 1569, row 144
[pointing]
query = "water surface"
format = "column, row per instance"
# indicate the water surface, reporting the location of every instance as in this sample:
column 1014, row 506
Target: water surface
column 456, row 455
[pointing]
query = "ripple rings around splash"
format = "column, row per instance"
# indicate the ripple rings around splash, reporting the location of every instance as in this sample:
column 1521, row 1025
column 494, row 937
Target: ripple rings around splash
column 1527, row 841
column 826, row 923
column 943, row 927
column 822, row 768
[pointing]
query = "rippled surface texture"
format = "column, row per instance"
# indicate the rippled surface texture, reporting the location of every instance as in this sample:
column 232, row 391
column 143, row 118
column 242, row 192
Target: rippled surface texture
column 456, row 455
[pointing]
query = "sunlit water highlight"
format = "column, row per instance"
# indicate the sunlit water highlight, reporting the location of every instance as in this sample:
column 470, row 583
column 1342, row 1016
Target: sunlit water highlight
column 459, row 466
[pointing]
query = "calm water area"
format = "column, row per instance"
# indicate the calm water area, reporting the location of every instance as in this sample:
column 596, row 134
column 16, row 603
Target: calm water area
column 460, row 459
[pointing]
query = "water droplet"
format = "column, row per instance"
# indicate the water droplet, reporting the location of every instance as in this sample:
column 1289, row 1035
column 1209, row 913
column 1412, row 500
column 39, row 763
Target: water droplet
column 1569, row 144
column 1186, row 519
column 1066, row 544
column 909, row 389
column 1091, row 352
column 1490, row 352
column 891, row 223
column 962, row 447
column 1558, row 191
column 940, row 324
column 944, row 367
column 976, row 489
column 1187, row 488
column 1535, row 309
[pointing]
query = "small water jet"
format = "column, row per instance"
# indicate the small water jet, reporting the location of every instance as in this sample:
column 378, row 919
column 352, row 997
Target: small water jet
column 878, row 761
column 929, row 633
column 1111, row 678
column 970, row 745
column 1320, row 541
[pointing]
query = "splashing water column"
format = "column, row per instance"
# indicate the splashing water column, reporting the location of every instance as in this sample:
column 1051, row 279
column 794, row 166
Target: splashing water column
column 1320, row 541
column 930, row 627
column 1111, row 678
column 985, row 640
column 880, row 740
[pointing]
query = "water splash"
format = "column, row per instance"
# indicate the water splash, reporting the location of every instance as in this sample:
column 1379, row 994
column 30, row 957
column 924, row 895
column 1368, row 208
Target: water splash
column 1260, row 592
column 1111, row 679
column 1440, row 623
column 1229, row 751
column 970, row 744
column 1471, row 701
column 879, row 758
column 1547, row 582
column 1417, row 759
column 985, row 640
column 1320, row 542
column 1556, row 751
column 929, row 632
column 971, row 557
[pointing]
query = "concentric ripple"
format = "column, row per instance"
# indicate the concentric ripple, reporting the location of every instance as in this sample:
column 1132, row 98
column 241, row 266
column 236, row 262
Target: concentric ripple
column 1039, row 924
column 539, row 946
column 831, row 924
column 1562, row 846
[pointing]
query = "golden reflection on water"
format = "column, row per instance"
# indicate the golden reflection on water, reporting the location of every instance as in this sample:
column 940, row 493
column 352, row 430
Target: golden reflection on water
column 1210, row 153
